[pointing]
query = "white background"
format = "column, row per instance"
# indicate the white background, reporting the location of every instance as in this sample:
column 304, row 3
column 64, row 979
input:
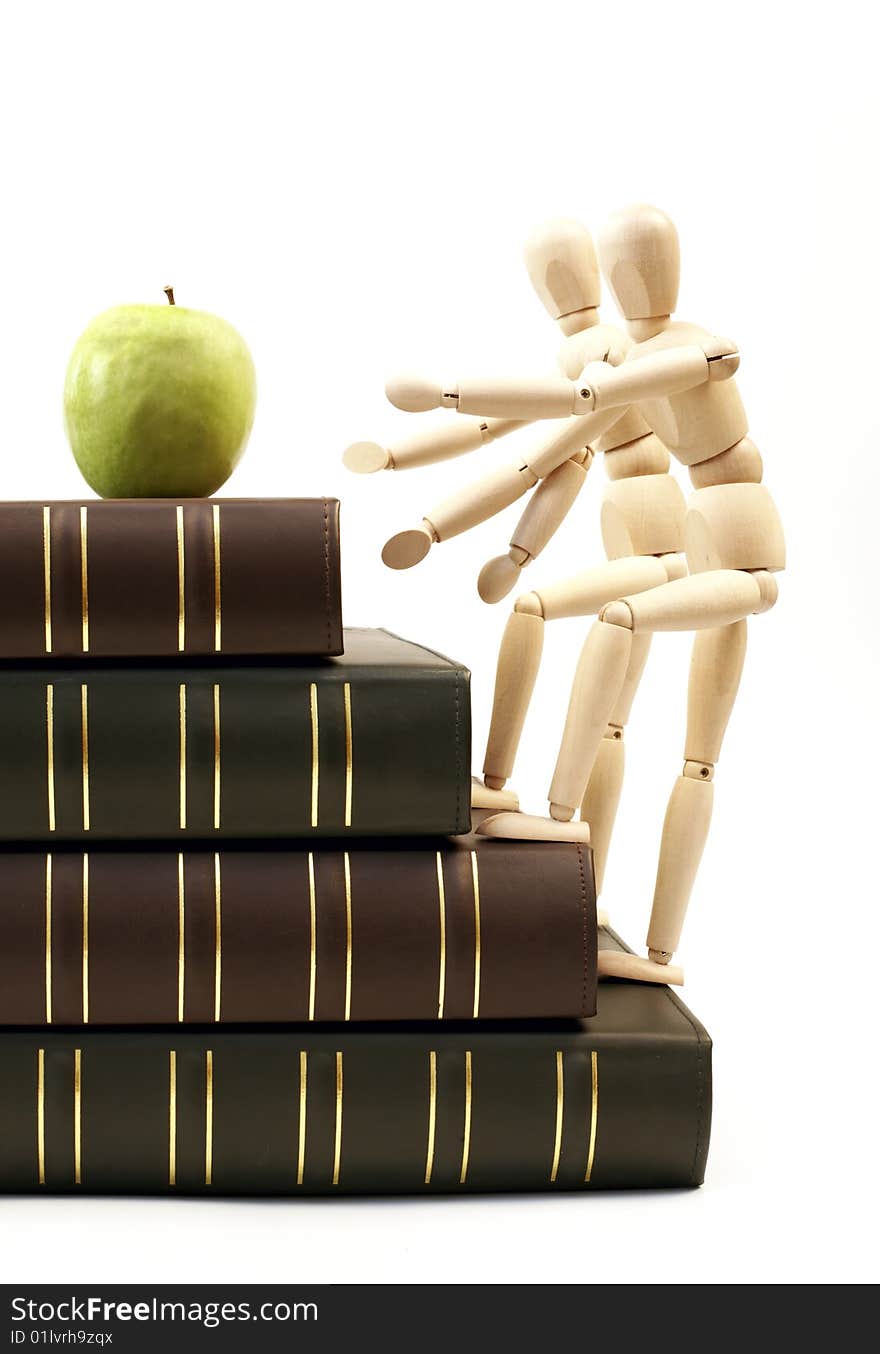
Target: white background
column 351, row 186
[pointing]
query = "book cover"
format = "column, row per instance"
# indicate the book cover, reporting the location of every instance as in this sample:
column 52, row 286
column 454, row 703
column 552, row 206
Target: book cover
column 136, row 578
column 450, row 929
column 620, row 1100
column 275, row 749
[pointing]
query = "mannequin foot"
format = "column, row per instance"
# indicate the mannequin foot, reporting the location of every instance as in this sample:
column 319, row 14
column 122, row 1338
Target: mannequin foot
column 527, row 827
column 617, row 964
column 482, row 797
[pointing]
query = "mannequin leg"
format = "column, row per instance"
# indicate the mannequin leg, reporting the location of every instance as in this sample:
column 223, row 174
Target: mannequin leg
column 520, row 654
column 602, row 796
column 716, row 668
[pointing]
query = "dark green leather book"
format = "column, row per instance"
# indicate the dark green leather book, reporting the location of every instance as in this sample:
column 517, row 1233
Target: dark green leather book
column 284, row 748
column 619, row 1100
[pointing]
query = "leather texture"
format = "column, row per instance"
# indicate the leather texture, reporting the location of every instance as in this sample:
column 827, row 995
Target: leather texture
column 623, row 1098
column 390, row 930
column 134, row 578
column 277, row 749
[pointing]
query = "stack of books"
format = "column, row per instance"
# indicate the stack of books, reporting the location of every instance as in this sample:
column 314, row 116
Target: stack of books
column 249, row 942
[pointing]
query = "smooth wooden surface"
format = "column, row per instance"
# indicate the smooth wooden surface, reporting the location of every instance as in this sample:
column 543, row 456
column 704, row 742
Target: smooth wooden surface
column 618, row 964
column 500, row 575
column 548, row 506
column 698, row 602
column 629, row 427
column 697, row 424
column 685, row 829
column 518, row 661
column 643, row 456
column 740, row 464
column 561, row 260
column 643, row 515
column 365, row 458
column 414, row 394
column 600, row 672
column 482, row 797
column 585, row 593
column 528, row 828
column 476, row 503
column 733, row 526
column 408, row 547
column 526, row 397
column 638, row 657
column 716, row 668
column 566, row 440
column 598, row 342
column 427, row 446
column 599, row 804
column 640, row 259
column 646, row 376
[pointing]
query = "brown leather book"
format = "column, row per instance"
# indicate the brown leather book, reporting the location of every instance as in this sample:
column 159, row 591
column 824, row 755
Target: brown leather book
column 138, row 578
column 455, row 929
column 371, row 743
column 620, row 1100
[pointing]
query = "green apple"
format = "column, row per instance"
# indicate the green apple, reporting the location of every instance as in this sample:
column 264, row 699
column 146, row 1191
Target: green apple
column 159, row 401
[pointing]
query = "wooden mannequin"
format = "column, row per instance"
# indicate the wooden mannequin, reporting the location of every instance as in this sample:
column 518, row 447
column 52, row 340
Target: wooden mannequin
column 643, row 530
column 562, row 264
column 680, row 376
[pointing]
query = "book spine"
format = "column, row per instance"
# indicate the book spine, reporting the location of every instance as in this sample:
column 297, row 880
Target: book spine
column 153, row 578
column 487, row 930
column 302, row 1111
column 128, row 753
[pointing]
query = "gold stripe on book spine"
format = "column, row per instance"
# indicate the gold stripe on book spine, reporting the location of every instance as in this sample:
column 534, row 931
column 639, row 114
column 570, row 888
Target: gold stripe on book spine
column 313, row 715
column 181, row 937
column 218, row 606
column 85, row 938
column 303, row 1095
column 313, row 965
column 172, row 1117
column 218, row 938
column 346, row 863
column 560, row 1106
column 50, row 755
column 41, row 1116
column 182, row 753
column 84, row 574
column 337, row 1144
column 594, row 1113
column 84, row 735
column 209, row 1117
column 47, row 578
column 441, row 981
column 349, row 770
column 181, row 583
column 216, row 758
column 477, row 933
column 466, row 1140
column 48, row 930
column 77, row 1116
column 432, row 1115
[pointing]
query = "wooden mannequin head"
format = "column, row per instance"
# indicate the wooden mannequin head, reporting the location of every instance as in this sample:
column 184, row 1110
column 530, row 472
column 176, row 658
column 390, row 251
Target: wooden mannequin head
column 561, row 259
column 638, row 250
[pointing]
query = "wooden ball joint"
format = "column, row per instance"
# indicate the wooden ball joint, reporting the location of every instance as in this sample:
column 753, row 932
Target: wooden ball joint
column 660, row 386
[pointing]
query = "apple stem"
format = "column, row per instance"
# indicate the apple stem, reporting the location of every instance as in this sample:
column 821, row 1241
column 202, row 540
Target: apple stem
column 169, row 292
